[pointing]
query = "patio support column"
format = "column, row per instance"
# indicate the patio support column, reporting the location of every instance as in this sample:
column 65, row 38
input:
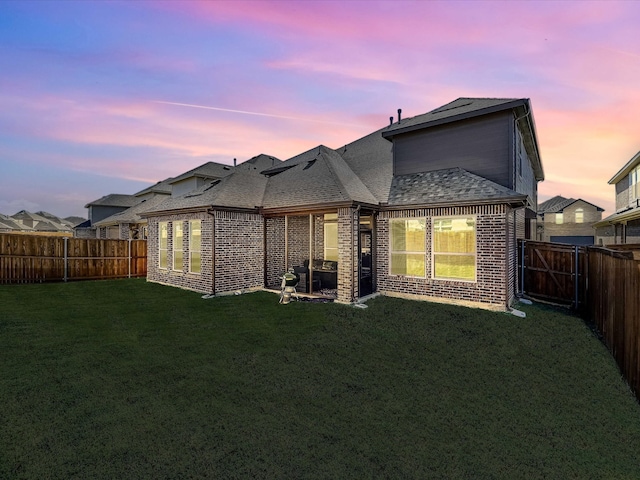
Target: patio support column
column 311, row 245
column 286, row 243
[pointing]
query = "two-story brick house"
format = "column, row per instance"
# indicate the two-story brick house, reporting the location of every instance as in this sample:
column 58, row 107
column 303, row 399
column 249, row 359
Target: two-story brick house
column 426, row 207
column 623, row 226
column 568, row 220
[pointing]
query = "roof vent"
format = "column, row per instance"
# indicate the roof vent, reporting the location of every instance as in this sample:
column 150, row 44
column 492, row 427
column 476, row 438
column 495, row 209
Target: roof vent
column 309, row 164
column 399, row 115
column 390, row 120
column 234, row 162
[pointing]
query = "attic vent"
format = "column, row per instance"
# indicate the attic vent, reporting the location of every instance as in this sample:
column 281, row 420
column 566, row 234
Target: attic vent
column 213, row 184
column 309, row 164
column 443, row 109
column 226, row 168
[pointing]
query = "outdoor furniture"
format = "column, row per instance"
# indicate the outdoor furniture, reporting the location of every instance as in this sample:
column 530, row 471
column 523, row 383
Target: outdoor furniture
column 288, row 287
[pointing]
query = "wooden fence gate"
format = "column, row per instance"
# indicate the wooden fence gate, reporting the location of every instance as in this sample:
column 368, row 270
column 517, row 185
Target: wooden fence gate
column 553, row 272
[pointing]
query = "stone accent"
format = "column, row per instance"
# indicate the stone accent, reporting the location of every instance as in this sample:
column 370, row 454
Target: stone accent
column 495, row 253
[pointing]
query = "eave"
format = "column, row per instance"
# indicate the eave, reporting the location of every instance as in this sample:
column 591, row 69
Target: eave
column 519, row 201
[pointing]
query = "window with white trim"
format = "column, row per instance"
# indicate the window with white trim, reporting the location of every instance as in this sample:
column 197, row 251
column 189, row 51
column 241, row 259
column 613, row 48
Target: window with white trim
column 177, row 245
column 580, row 215
column 407, row 238
column 454, row 248
column 163, row 244
column 634, row 183
column 195, row 245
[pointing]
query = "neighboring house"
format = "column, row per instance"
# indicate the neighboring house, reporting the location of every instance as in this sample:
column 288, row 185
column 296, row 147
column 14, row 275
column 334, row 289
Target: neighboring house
column 9, row 225
column 42, row 222
column 624, row 225
column 99, row 210
column 428, row 207
column 129, row 224
column 568, row 220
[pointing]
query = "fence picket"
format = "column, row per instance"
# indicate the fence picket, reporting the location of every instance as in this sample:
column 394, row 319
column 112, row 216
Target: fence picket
column 36, row 259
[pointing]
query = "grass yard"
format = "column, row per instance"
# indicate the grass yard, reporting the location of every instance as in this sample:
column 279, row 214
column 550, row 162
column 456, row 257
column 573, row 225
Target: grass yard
column 126, row 379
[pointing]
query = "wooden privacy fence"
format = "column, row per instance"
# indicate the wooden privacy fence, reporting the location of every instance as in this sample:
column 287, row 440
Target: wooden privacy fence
column 35, row 259
column 603, row 284
column 553, row 272
column 613, row 305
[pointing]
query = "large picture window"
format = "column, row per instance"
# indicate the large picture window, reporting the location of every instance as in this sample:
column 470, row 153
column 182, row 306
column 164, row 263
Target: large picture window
column 177, row 245
column 195, row 242
column 408, row 246
column 454, row 248
column 163, row 244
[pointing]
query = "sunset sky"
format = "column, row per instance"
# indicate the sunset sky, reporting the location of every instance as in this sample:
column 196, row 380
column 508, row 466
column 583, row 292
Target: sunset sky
column 109, row 97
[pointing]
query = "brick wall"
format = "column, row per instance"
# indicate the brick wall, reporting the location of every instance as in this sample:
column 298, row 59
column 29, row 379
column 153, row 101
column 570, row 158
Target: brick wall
column 239, row 251
column 494, row 257
column 200, row 282
column 275, row 251
column 348, row 231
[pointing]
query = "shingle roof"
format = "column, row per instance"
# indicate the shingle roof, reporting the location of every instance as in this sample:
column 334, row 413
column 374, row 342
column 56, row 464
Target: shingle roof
column 242, row 189
column 114, row 200
column 555, row 204
column 132, row 214
column 460, row 108
column 206, row 170
column 8, row 223
column 162, row 187
column 318, row 176
column 448, row 186
column 371, row 159
column 558, row 203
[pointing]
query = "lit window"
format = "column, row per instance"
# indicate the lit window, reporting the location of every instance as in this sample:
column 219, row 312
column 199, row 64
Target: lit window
column 579, row 215
column 634, row 183
column 559, row 218
column 454, row 248
column 195, row 242
column 331, row 237
column 408, row 246
column 177, row 245
column 163, row 243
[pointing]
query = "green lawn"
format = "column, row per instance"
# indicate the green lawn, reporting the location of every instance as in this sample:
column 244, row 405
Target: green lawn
column 125, row 379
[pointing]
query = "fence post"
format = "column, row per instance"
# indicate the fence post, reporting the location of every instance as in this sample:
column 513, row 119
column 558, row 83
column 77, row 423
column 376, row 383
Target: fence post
column 66, row 258
column 129, row 258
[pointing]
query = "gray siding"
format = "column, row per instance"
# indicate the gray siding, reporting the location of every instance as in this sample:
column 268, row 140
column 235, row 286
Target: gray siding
column 483, row 146
column 623, row 196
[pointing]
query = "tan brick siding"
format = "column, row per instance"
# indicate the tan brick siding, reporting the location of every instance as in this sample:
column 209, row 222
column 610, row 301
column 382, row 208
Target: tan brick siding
column 199, row 282
column 239, row 251
column 494, row 257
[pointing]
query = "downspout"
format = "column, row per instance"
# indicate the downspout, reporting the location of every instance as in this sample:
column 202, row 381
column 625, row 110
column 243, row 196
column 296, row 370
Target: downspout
column 213, row 251
column 355, row 222
column 286, row 243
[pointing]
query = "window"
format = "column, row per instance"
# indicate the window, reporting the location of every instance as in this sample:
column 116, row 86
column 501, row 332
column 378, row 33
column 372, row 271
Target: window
column 163, row 244
column 579, row 215
column 408, row 246
column 634, row 183
column 177, row 245
column 559, row 218
column 195, row 242
column 454, row 248
column 331, row 236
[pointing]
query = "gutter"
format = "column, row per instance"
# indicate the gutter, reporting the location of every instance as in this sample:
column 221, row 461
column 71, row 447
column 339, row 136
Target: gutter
column 515, row 201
